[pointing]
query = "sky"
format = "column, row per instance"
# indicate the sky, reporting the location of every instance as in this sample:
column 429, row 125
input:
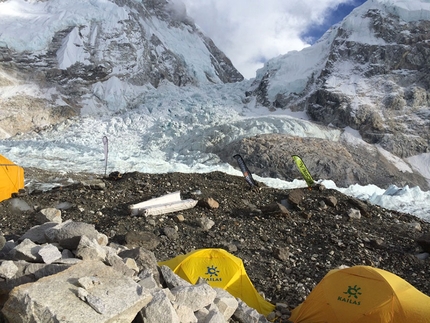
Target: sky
column 250, row 32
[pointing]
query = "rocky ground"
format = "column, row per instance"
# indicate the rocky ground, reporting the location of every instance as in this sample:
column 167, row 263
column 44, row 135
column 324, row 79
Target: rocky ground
column 288, row 239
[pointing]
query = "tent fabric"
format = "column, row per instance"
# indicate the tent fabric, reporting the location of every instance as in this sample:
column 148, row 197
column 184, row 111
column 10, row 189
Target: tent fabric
column 11, row 178
column 363, row 294
column 220, row 269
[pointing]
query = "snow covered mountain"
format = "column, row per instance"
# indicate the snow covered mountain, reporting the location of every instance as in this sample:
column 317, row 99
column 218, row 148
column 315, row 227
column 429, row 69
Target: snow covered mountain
column 370, row 72
column 143, row 75
column 60, row 58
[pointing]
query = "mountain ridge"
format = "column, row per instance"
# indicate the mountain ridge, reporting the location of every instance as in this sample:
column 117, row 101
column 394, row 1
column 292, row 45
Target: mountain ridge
column 369, row 73
column 87, row 52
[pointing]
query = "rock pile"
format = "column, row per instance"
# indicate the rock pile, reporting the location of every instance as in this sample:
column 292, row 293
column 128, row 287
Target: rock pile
column 288, row 239
column 69, row 272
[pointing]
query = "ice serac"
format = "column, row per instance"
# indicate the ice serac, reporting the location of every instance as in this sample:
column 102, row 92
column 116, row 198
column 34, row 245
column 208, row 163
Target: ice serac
column 59, row 60
column 370, row 72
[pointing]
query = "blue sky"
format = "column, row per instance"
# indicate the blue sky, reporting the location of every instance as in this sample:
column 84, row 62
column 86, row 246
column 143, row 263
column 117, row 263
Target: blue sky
column 333, row 17
column 250, row 32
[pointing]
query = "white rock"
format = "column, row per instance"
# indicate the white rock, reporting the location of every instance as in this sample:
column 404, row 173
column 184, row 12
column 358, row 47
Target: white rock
column 226, row 303
column 27, row 250
column 186, row 314
column 194, row 296
column 49, row 253
column 354, row 214
column 8, row 269
column 89, row 249
column 214, row 315
column 160, row 309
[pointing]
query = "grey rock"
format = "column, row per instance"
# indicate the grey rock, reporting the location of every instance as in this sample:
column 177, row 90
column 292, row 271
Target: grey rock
column 160, row 309
column 67, row 254
column 118, row 264
column 95, row 302
column 49, row 215
column 131, row 264
column 246, row 314
column 171, row 279
column 49, row 253
column 68, row 234
column 17, row 204
column 423, row 255
column 40, row 270
column 331, row 201
column 39, row 301
column 27, row 250
column 89, row 249
column 8, row 269
column 205, row 223
column 37, row 233
column 185, row 314
column 282, row 254
column 64, row 206
column 149, row 283
column 296, row 196
column 226, row 303
column 214, row 315
column 195, row 296
column 144, row 259
column 29, row 272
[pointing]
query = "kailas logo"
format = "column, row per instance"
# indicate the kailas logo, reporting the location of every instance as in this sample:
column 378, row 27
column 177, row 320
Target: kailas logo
column 353, row 293
column 213, row 272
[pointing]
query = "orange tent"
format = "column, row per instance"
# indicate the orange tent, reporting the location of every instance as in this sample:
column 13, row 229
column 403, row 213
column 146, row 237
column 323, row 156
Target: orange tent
column 11, row 178
column 363, row 294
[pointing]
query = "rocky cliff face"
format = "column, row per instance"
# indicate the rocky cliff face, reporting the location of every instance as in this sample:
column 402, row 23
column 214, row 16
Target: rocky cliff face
column 89, row 54
column 371, row 73
column 343, row 162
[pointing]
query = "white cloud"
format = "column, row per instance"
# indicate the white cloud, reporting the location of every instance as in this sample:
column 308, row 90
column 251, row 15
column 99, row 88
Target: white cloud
column 251, row 31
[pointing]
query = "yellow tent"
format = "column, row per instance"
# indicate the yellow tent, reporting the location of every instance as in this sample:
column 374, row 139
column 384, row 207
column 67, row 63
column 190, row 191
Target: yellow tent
column 363, row 294
column 220, row 269
column 11, row 178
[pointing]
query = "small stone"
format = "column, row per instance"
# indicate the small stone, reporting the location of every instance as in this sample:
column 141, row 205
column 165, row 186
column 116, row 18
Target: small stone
column 49, row 215
column 331, row 201
column 296, row 196
column 354, row 214
column 206, row 223
column 179, row 218
column 281, row 253
column 209, row 203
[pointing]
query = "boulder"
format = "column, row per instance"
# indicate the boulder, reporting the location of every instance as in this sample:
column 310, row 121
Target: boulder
column 56, row 298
